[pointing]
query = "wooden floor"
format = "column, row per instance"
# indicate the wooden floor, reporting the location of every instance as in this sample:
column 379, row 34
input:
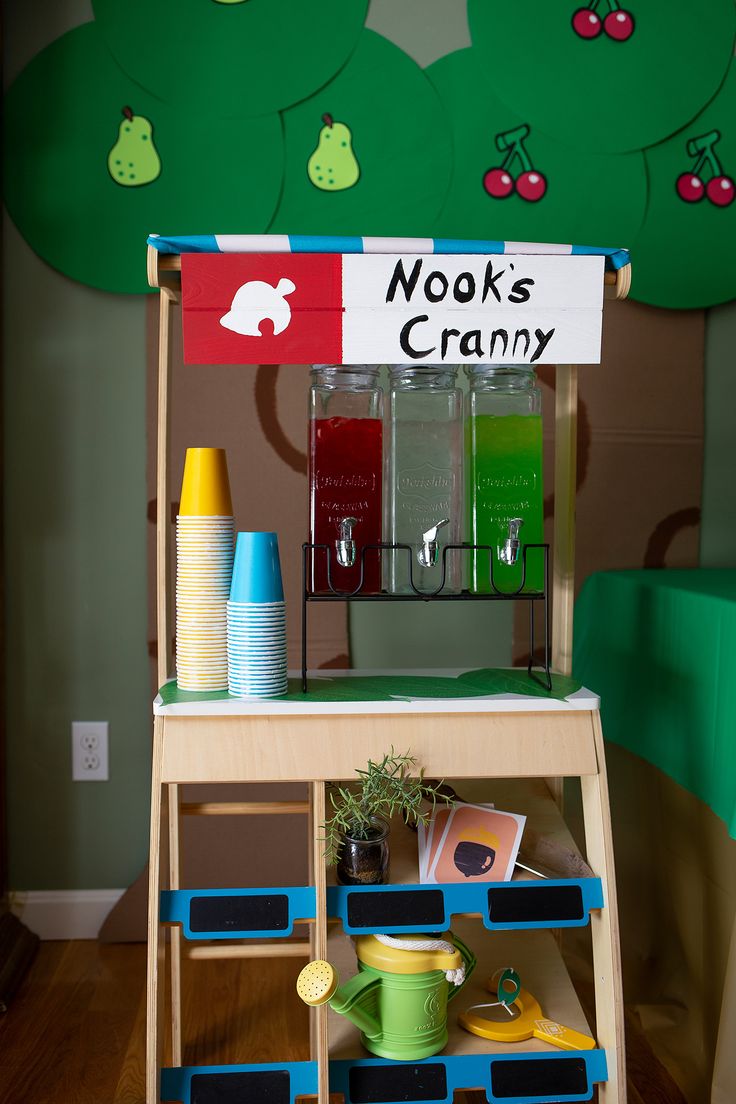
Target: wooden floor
column 75, row 1030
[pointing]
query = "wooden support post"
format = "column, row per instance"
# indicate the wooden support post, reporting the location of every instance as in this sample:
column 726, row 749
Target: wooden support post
column 563, row 538
column 163, row 521
column 318, row 938
column 563, row 541
column 175, row 932
column 609, row 1000
column 156, row 952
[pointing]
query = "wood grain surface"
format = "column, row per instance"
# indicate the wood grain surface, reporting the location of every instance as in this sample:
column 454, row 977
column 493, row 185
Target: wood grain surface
column 76, row 1029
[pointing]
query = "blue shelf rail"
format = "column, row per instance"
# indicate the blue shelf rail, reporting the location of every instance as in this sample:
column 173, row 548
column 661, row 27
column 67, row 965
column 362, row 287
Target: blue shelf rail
column 272, row 913
column 267, row 1083
column 502, row 906
column 238, row 913
column 519, row 1078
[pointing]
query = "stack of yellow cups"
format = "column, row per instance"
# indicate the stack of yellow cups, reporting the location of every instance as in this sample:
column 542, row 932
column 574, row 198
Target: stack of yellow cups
column 204, row 566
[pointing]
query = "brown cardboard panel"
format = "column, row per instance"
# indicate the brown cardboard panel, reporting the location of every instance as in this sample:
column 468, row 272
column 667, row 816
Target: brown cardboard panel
column 640, row 445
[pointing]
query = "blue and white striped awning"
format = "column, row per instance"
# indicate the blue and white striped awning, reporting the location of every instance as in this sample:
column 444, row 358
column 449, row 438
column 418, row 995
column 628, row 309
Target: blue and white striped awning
column 317, row 243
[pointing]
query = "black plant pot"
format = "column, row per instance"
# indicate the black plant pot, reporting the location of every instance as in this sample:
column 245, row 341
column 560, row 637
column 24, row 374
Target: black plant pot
column 365, row 861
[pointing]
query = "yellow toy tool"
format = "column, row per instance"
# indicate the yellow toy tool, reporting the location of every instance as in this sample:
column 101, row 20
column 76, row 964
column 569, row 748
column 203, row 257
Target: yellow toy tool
column 530, row 1022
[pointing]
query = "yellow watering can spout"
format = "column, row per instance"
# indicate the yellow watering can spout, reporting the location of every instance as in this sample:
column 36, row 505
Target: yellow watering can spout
column 318, row 984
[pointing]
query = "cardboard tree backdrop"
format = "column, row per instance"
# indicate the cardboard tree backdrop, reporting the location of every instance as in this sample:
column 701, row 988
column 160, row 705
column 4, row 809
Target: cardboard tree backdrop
column 600, row 123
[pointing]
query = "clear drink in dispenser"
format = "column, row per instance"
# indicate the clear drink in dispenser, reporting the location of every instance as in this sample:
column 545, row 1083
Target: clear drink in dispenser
column 424, row 478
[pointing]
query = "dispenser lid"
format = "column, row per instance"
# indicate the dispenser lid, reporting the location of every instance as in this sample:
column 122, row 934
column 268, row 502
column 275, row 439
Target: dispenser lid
column 409, row 960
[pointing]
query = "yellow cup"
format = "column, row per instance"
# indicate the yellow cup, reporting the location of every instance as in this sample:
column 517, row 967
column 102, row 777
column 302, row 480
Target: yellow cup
column 205, row 487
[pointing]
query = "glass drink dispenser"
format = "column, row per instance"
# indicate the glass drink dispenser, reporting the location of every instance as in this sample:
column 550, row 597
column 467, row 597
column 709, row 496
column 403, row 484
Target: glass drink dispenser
column 503, row 438
column 345, row 476
column 424, row 478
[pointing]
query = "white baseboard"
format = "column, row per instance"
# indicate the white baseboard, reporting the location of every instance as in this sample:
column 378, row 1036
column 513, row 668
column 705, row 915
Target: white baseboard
column 64, row 913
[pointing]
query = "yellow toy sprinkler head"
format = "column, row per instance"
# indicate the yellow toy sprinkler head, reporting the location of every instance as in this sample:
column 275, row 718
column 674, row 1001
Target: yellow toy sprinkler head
column 529, row 1023
column 317, row 982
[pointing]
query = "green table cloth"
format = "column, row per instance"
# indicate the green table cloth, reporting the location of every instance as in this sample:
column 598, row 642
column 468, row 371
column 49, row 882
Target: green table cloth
column 660, row 649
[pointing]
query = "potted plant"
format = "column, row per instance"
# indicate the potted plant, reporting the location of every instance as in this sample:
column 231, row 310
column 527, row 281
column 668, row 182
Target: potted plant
column 356, row 835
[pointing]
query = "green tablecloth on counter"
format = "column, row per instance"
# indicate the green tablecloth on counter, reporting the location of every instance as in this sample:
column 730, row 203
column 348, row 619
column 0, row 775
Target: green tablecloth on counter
column 660, row 649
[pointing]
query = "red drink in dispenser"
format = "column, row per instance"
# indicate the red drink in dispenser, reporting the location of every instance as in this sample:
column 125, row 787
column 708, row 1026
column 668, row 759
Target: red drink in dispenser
column 345, row 478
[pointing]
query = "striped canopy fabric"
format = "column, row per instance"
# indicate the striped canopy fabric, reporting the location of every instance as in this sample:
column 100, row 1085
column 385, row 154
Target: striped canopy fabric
column 316, row 243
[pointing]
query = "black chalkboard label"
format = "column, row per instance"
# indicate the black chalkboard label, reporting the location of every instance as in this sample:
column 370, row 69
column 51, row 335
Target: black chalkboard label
column 555, row 1077
column 519, row 904
column 260, row 912
column 379, row 1084
column 252, row 1087
column 411, row 906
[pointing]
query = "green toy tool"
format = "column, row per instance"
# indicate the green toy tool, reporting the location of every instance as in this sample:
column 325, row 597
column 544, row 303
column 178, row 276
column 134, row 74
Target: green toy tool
column 398, row 1000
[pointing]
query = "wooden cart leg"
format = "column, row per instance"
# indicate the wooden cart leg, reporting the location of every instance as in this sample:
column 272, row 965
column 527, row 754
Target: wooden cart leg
column 563, row 538
column 318, row 937
column 175, row 932
column 156, row 955
column 609, row 1001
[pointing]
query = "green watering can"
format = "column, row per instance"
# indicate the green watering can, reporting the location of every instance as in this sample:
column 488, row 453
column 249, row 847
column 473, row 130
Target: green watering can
column 398, row 1000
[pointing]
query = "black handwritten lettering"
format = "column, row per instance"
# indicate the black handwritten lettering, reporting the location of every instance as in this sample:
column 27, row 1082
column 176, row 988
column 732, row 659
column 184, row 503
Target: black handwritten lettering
column 446, row 335
column 517, row 335
column 519, row 292
column 503, row 334
column 436, row 277
column 489, row 283
column 405, row 335
column 407, row 283
column 470, row 344
column 543, row 339
column 464, row 296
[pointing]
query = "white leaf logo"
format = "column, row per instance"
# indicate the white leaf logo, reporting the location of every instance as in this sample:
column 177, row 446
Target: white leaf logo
column 256, row 301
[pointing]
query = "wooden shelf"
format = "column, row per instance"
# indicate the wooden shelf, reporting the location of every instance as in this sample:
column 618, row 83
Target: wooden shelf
column 530, row 797
column 533, row 954
column 171, row 702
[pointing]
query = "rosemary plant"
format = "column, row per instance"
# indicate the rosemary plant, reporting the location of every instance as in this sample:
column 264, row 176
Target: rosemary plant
column 384, row 789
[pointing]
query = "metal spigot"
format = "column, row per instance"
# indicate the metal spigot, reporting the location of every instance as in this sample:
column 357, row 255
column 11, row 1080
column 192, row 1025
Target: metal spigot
column 428, row 553
column 509, row 552
column 346, row 545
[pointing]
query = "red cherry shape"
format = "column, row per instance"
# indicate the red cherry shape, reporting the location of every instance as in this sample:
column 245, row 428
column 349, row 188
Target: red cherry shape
column 619, row 25
column 586, row 23
column 690, row 187
column 531, row 186
column 720, row 190
column 498, row 183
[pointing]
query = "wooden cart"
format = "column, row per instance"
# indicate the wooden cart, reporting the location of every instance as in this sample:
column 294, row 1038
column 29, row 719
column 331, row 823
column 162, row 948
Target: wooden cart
column 517, row 740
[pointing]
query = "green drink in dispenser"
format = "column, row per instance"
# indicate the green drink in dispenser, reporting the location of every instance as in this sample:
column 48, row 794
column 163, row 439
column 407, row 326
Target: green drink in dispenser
column 505, row 503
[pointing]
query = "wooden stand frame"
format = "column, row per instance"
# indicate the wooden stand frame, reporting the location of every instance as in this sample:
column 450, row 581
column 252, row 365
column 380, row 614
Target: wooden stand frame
column 554, row 743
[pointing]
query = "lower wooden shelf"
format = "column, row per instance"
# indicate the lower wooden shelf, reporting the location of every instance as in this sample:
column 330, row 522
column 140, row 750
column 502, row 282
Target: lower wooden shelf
column 516, row 1073
column 534, row 955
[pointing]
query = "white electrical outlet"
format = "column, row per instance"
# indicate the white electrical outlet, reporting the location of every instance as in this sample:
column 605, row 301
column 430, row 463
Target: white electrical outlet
column 89, row 751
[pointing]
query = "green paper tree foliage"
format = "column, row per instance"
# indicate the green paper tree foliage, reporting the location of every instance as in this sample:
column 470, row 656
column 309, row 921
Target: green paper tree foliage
column 599, row 75
column 230, row 59
column 684, row 252
column 566, row 122
column 397, row 134
column 85, row 184
column 512, row 182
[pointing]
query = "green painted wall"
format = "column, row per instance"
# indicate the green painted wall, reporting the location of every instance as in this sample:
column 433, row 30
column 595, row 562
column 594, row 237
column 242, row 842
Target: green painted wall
column 75, row 524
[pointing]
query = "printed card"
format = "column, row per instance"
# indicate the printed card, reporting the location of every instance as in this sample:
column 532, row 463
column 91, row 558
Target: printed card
column 476, row 843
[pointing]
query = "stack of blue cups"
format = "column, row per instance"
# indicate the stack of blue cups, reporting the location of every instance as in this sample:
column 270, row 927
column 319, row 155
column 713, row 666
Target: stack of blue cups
column 256, row 619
